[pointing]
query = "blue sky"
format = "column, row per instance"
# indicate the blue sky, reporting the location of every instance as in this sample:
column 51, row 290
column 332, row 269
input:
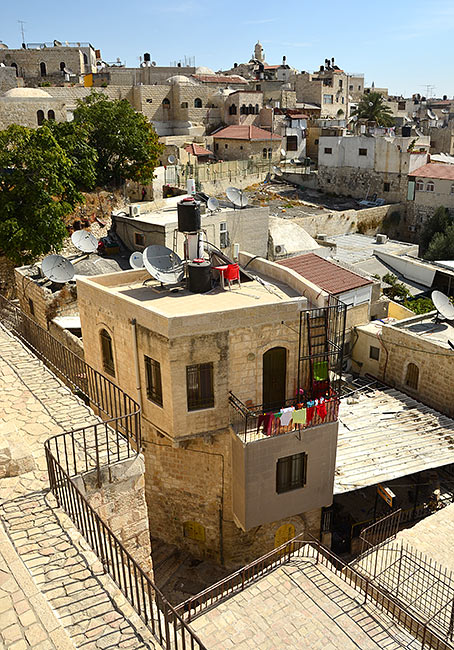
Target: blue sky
column 400, row 44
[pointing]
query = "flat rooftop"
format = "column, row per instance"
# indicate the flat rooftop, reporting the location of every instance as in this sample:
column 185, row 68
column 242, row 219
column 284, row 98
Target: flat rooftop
column 355, row 248
column 385, row 434
column 429, row 328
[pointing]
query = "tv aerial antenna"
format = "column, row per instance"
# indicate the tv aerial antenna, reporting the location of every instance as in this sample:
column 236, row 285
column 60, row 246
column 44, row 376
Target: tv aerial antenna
column 237, row 197
column 57, row 269
column 213, row 204
column 163, row 264
column 136, row 260
column 443, row 305
column 85, row 241
column 22, row 23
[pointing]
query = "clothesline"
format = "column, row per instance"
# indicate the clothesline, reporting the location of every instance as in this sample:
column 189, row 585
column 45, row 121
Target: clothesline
column 299, row 414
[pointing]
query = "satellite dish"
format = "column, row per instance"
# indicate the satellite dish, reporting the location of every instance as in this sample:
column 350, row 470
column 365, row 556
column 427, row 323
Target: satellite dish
column 85, row 241
column 57, row 268
column 136, row 260
column 443, row 305
column 283, row 152
column 237, row 197
column 163, row 264
column 171, row 159
column 276, row 170
column 212, row 204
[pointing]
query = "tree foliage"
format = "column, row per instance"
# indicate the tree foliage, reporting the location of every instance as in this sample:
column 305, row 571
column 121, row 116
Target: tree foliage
column 372, row 108
column 437, row 224
column 126, row 143
column 441, row 245
column 398, row 290
column 41, row 174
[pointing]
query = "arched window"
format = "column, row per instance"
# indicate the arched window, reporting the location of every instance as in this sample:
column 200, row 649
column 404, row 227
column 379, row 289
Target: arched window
column 452, row 188
column 40, row 117
column 430, row 187
column 250, row 109
column 42, row 69
column 197, row 102
column 232, row 109
column 270, row 152
column 264, row 153
column 257, row 109
column 243, row 110
column 62, row 66
column 419, row 185
column 51, row 115
column 166, row 103
column 14, row 65
column 412, row 376
column 184, row 104
column 107, row 352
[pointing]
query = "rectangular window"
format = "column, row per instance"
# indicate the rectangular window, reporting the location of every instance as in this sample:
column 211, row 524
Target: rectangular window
column 154, row 383
column 258, row 87
column 149, row 101
column 350, row 87
column 401, row 106
column 199, row 385
column 223, row 235
column 340, row 83
column 328, row 150
column 139, row 239
column 328, row 99
column 291, row 472
column 216, row 146
column 374, row 353
column 362, row 152
column 316, row 141
column 292, row 143
column 226, row 146
column 31, row 306
column 386, row 187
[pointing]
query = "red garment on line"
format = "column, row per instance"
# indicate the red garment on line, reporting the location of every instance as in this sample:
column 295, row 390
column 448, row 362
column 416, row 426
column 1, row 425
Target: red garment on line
column 267, row 420
column 321, row 410
column 310, row 413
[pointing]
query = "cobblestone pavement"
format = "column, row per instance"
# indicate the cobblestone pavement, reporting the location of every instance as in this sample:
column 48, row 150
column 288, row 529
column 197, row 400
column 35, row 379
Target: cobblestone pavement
column 301, row 606
column 89, row 606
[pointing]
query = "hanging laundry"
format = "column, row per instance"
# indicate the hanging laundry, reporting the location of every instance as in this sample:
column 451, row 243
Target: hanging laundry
column 310, row 411
column 267, row 421
column 321, row 409
column 286, row 415
column 320, row 370
column 299, row 416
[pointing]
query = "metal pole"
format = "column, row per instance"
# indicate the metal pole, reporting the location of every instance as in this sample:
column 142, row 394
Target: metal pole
column 136, row 362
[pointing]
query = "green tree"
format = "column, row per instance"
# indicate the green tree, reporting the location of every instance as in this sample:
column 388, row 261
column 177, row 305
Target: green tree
column 39, row 186
column 372, row 108
column 125, row 141
column 437, row 223
column 441, row 246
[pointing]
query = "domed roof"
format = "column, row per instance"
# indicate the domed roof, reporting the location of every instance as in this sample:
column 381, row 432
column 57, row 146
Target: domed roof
column 180, row 79
column 202, row 69
column 26, row 92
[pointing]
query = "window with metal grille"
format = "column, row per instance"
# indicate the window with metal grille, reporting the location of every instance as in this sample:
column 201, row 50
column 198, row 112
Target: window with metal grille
column 292, row 143
column 199, row 385
column 362, row 152
column 291, row 472
column 412, row 376
column 223, row 235
column 386, row 187
column 107, row 353
column 374, row 353
column 139, row 239
column 328, row 150
column 419, row 185
column 430, row 187
column 154, row 383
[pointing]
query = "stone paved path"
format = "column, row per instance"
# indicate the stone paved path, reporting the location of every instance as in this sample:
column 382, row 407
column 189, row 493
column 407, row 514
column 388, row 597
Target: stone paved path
column 93, row 612
column 301, row 606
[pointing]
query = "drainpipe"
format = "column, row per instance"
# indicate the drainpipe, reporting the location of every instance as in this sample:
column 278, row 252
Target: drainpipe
column 136, row 362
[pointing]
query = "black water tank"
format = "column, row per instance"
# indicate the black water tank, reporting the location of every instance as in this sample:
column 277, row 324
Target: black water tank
column 406, row 131
column 188, row 215
column 199, row 276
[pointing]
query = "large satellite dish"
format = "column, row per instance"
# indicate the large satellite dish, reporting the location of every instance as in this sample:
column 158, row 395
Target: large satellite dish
column 57, row 268
column 84, row 241
column 237, row 197
column 163, row 264
column 443, row 305
column 171, row 159
column 136, row 260
column 276, row 170
column 212, row 204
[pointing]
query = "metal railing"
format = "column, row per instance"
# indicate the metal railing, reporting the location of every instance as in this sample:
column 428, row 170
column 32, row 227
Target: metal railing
column 93, row 448
column 380, row 531
column 421, row 628
column 247, row 421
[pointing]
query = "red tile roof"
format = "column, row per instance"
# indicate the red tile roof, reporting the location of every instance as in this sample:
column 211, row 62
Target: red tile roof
column 325, row 274
column 220, row 79
column 271, row 67
column 245, row 132
column 434, row 170
column 197, row 150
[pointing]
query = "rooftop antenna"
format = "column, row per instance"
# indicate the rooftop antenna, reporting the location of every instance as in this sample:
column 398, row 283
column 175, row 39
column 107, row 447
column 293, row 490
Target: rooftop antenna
column 22, row 23
column 57, row 269
column 443, row 305
column 213, row 204
column 237, row 197
column 163, row 264
column 85, row 241
column 136, row 260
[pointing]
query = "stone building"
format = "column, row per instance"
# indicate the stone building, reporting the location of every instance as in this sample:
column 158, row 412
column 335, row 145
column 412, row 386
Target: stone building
column 30, row 107
column 429, row 187
column 326, row 88
column 238, row 142
column 215, row 484
column 364, row 165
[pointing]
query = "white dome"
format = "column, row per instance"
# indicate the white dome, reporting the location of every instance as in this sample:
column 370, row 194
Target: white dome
column 204, row 70
column 26, row 92
column 180, row 79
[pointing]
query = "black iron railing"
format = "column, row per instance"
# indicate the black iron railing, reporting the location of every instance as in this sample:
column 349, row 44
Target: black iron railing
column 248, row 422
column 420, row 627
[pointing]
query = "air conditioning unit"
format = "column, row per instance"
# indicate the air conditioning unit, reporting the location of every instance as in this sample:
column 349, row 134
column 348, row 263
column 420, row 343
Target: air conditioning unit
column 134, row 210
column 279, row 249
column 381, row 239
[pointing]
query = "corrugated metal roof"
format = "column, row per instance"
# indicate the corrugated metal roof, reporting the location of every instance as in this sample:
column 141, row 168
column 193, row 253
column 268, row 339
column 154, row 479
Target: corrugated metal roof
column 325, row 274
column 385, row 434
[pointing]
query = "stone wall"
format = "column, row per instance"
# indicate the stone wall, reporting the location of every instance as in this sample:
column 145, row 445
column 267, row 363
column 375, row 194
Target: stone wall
column 230, row 149
column 24, row 110
column 362, row 183
column 28, row 60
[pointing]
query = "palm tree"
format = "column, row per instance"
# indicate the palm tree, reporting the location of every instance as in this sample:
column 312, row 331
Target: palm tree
column 372, row 108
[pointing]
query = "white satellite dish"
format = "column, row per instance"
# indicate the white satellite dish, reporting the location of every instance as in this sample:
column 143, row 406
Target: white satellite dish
column 283, row 152
column 443, row 305
column 237, row 197
column 212, row 204
column 57, row 268
column 276, row 170
column 85, row 241
column 171, row 159
column 136, row 260
column 163, row 264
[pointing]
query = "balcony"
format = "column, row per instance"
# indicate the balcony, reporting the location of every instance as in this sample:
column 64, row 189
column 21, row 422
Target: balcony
column 247, row 421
